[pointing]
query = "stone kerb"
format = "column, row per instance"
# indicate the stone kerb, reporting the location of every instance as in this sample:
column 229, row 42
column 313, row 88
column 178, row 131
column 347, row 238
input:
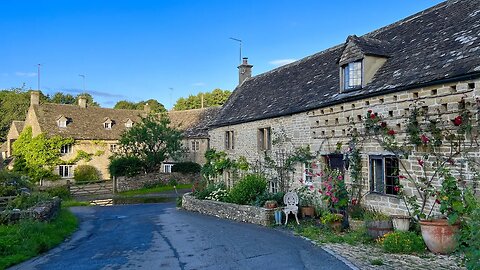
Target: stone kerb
column 242, row 213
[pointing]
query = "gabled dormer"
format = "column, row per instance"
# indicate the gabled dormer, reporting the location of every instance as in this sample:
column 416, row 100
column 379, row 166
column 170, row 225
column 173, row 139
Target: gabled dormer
column 62, row 121
column 128, row 123
column 361, row 58
column 107, row 123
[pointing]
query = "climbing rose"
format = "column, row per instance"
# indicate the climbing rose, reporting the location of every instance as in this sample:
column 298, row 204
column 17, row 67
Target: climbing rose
column 372, row 116
column 457, row 121
column 340, row 177
column 425, row 139
column 420, row 162
column 369, row 111
column 401, row 177
column 391, row 132
column 383, row 125
column 396, row 188
column 437, row 201
column 354, row 201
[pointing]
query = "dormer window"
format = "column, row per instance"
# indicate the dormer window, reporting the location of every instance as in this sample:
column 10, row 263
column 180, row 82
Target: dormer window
column 129, row 123
column 107, row 124
column 62, row 121
column 352, row 75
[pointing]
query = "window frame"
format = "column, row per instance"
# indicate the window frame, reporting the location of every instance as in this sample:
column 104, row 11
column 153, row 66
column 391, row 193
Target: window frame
column 264, row 139
column 307, row 174
column 347, row 71
column 107, row 125
column 66, row 149
column 194, row 146
column 389, row 180
column 113, row 147
column 229, row 140
column 167, row 167
column 61, row 171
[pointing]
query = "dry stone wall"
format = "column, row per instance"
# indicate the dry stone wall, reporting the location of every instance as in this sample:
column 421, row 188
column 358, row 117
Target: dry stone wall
column 142, row 180
column 242, row 213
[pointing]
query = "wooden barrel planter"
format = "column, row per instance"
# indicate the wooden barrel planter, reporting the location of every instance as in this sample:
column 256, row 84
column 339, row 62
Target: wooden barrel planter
column 378, row 228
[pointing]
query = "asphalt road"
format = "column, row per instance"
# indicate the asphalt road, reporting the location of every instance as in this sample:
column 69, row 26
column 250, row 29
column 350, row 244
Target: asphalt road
column 158, row 236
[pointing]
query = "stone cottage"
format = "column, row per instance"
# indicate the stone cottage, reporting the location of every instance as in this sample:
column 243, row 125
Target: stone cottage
column 96, row 131
column 432, row 57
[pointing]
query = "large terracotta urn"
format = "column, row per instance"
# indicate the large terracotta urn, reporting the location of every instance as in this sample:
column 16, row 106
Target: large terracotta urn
column 439, row 236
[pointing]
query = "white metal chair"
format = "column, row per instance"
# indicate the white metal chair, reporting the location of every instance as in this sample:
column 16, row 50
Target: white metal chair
column 291, row 205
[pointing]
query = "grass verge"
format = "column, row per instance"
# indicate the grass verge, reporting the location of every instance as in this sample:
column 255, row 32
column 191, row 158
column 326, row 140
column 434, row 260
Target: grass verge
column 27, row 239
column 324, row 235
column 70, row 203
column 154, row 190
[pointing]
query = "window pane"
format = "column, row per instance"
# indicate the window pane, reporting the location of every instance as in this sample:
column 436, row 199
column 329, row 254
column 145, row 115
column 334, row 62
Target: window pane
column 376, row 175
column 391, row 175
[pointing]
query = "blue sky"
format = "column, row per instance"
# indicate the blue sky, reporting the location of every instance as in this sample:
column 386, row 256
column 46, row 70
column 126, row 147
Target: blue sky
column 139, row 49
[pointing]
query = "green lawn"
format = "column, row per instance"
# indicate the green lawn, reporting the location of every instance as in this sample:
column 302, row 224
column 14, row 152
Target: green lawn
column 27, row 239
column 154, row 190
column 325, row 235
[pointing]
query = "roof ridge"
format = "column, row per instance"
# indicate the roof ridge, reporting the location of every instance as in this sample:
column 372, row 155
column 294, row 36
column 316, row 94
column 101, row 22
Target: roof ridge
column 91, row 107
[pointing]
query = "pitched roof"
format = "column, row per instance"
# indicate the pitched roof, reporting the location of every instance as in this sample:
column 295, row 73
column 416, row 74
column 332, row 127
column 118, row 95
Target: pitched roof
column 18, row 125
column 84, row 123
column 439, row 44
column 194, row 123
column 3, row 147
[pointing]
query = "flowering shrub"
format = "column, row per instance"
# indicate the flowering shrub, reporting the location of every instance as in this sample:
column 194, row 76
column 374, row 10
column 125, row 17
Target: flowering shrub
column 306, row 195
column 220, row 195
column 402, row 242
column 333, row 189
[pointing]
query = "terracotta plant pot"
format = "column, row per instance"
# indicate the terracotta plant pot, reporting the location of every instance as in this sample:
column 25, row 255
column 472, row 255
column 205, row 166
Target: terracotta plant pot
column 270, row 204
column 401, row 223
column 439, row 236
column 336, row 226
column 308, row 211
column 378, row 228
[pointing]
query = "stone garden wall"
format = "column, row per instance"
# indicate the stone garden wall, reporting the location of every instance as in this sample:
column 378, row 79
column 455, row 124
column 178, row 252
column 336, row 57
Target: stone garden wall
column 144, row 180
column 242, row 213
column 41, row 212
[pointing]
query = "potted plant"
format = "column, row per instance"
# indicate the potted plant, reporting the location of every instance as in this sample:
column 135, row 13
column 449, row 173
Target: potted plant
column 377, row 223
column 332, row 220
column 401, row 222
column 271, row 204
column 306, row 196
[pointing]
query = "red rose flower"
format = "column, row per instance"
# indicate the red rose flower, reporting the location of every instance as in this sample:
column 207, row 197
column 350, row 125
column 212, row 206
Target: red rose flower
column 354, row 201
column 372, row 116
column 391, row 132
column 437, row 201
column 420, row 162
column 383, row 125
column 457, row 121
column 396, row 188
column 425, row 139
column 401, row 177
column 369, row 111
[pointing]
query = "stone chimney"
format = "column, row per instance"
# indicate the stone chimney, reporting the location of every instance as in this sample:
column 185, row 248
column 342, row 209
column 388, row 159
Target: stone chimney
column 244, row 71
column 82, row 101
column 34, row 98
column 146, row 108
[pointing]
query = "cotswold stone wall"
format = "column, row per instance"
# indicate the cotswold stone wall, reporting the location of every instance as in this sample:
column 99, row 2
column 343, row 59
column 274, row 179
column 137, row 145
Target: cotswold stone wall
column 140, row 181
column 327, row 130
column 41, row 212
column 242, row 213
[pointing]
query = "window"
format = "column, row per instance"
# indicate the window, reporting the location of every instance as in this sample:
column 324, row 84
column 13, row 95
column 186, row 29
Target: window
column 307, row 174
column 107, row 125
column 195, row 146
column 335, row 162
column 66, row 149
column 229, row 140
column 129, row 123
column 113, row 148
column 352, row 76
column 264, row 139
column 62, row 123
column 273, row 186
column 167, row 167
column 65, row 171
column 383, row 174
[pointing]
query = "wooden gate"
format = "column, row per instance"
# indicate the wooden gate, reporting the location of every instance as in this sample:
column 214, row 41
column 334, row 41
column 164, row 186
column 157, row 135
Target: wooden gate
column 91, row 189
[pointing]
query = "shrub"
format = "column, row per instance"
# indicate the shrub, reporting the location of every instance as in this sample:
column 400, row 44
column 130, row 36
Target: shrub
column 268, row 196
column 25, row 201
column 470, row 233
column 61, row 191
column 402, row 242
column 248, row 189
column 11, row 183
column 186, row 167
column 202, row 190
column 125, row 166
column 86, row 173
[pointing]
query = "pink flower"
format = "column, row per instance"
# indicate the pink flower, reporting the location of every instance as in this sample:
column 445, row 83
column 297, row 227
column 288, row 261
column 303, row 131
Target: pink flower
column 340, row 177
column 369, row 111
column 320, row 191
column 425, row 139
column 311, row 188
column 420, row 162
column 334, row 199
column 372, row 116
column 314, row 165
column 396, row 188
column 457, row 121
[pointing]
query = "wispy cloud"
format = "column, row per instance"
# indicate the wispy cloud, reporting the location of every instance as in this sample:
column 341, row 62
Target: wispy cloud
column 281, row 62
column 26, row 74
column 92, row 92
column 199, row 84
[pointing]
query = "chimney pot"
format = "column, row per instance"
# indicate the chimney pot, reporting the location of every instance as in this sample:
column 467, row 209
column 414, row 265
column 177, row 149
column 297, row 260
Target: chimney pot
column 244, row 71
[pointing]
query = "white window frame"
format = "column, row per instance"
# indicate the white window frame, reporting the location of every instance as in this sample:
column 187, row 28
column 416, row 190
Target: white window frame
column 66, row 149
column 107, row 125
column 372, row 179
column 62, row 123
column 167, row 167
column 65, row 168
column 195, row 146
column 265, row 138
column 307, row 179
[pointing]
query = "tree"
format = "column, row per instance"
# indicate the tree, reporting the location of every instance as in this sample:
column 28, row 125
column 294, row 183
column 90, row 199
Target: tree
column 152, row 141
column 61, row 98
column 155, row 106
column 14, row 105
column 217, row 97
